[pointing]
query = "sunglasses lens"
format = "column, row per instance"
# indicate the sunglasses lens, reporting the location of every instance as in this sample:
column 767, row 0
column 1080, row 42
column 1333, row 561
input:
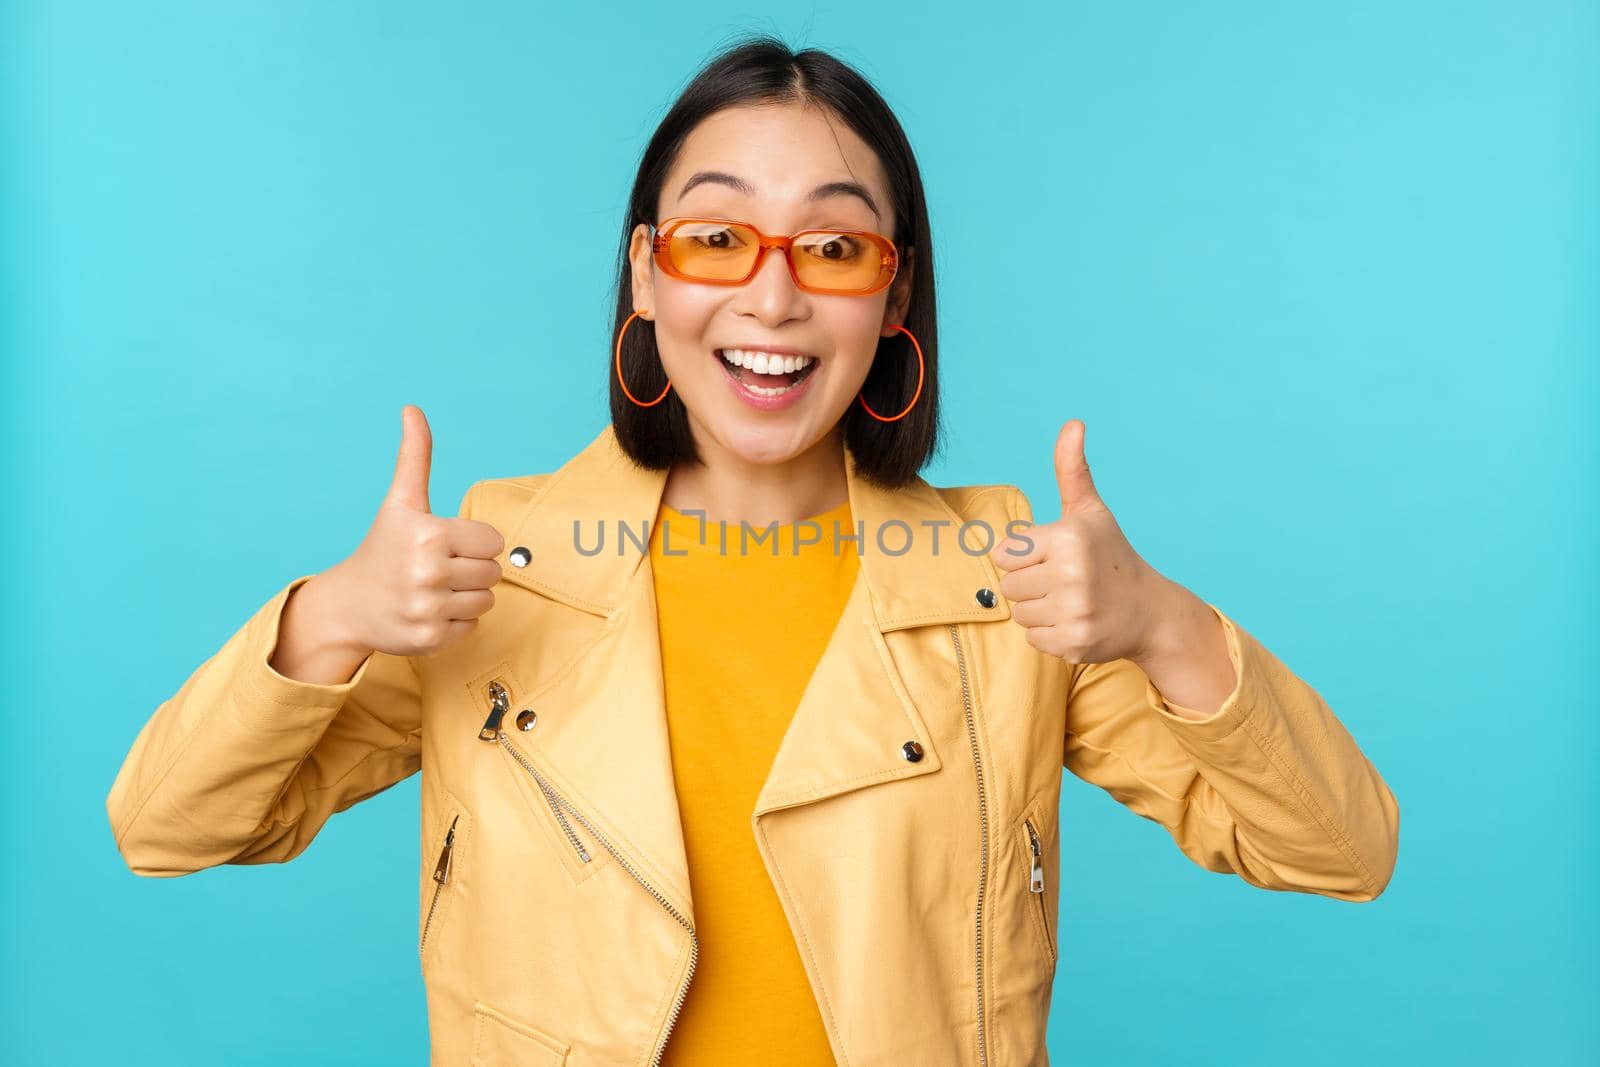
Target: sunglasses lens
column 825, row 261
column 838, row 262
column 713, row 251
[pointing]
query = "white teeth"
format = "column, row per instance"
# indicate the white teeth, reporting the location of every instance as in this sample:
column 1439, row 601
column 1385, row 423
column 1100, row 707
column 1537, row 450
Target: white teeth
column 762, row 390
column 764, row 362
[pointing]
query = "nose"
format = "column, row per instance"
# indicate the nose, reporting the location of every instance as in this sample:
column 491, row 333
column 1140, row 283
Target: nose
column 771, row 296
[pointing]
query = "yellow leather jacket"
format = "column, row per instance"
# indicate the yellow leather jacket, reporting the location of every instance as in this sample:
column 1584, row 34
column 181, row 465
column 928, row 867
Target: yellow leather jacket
column 908, row 822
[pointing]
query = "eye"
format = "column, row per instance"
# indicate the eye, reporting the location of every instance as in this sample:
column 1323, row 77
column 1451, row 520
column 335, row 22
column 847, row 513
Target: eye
column 838, row 247
column 717, row 239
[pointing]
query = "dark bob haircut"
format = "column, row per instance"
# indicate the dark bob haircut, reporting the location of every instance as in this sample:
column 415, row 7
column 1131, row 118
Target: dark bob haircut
column 762, row 70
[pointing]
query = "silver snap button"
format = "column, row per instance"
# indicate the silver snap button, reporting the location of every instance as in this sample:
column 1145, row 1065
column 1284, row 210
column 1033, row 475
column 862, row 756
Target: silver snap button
column 912, row 751
column 520, row 557
column 987, row 598
column 526, row 718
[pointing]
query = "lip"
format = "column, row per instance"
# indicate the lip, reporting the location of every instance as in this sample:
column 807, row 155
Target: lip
column 766, row 403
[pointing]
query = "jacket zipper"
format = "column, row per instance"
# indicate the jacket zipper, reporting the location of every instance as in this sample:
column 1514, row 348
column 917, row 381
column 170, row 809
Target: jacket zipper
column 491, row 731
column 441, row 876
column 499, row 703
column 1036, row 887
column 983, row 831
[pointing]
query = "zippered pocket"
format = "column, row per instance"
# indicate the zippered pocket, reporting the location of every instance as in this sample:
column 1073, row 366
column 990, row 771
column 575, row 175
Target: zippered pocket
column 499, row 703
column 578, row 854
column 493, row 731
column 444, row 869
column 1034, row 851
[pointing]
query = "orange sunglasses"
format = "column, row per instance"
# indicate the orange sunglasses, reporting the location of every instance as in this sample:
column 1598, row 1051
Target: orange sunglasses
column 720, row 252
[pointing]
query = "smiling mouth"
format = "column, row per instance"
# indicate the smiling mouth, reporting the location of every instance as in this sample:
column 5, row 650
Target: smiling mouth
column 763, row 373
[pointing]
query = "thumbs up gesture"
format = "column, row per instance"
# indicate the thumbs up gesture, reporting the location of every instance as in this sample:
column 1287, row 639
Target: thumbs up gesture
column 1082, row 592
column 418, row 582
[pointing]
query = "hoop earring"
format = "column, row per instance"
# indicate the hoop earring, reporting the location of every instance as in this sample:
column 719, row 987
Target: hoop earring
column 624, row 384
column 921, row 369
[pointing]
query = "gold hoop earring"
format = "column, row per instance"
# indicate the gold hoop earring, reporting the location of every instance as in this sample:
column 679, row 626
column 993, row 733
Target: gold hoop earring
column 921, row 369
column 624, row 384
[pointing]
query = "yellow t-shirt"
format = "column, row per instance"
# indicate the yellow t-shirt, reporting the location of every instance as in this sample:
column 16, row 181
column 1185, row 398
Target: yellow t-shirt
column 741, row 632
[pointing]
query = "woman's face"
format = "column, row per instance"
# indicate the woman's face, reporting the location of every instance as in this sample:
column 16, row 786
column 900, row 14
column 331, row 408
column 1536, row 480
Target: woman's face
column 780, row 153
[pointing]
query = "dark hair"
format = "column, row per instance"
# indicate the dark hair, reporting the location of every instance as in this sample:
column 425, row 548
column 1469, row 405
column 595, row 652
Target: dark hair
column 763, row 69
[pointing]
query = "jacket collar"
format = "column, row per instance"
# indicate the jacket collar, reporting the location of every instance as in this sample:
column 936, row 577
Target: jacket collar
column 934, row 580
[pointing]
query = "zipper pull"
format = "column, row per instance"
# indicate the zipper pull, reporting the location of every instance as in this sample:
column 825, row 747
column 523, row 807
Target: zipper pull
column 499, row 702
column 1036, row 872
column 441, row 872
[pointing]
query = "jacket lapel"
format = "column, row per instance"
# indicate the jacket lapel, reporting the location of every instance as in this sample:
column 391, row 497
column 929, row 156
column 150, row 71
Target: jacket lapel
column 603, row 729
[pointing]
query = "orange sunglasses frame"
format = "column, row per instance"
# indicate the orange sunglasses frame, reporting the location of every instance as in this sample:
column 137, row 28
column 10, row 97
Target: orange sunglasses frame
column 660, row 247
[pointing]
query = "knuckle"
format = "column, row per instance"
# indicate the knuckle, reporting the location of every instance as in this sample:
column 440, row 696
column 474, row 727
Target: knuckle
column 428, row 537
column 428, row 634
column 1070, row 537
column 426, row 571
column 417, row 608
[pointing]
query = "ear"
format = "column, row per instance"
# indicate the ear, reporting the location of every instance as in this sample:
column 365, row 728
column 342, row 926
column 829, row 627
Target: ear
column 894, row 312
column 642, row 270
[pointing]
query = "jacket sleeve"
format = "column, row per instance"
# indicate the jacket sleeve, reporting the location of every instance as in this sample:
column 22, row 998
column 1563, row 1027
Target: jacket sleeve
column 1271, row 787
column 245, row 765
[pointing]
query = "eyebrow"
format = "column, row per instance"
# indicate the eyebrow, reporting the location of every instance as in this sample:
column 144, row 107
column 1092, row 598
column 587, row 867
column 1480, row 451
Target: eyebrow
column 821, row 192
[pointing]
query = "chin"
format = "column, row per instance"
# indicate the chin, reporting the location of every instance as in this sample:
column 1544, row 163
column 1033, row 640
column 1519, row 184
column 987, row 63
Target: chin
column 762, row 444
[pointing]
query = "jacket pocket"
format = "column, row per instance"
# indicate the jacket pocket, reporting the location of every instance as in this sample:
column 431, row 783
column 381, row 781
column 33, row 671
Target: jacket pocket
column 497, row 698
column 444, row 860
column 1034, row 850
column 500, row 1041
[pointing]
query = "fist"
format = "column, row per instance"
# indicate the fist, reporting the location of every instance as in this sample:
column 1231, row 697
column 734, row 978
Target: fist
column 418, row 582
column 1081, row 592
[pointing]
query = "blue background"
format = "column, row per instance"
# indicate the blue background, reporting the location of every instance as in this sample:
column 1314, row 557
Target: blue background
column 1322, row 284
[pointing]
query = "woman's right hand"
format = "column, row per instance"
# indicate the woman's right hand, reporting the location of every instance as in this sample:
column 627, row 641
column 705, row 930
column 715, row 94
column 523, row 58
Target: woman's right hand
column 416, row 584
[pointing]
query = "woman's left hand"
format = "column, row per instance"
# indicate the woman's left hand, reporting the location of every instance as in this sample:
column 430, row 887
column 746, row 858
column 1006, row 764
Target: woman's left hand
column 1081, row 591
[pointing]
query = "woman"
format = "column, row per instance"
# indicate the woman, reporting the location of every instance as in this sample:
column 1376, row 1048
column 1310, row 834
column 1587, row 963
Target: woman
column 777, row 780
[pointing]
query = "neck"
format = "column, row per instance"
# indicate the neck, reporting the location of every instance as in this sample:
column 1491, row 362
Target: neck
column 731, row 488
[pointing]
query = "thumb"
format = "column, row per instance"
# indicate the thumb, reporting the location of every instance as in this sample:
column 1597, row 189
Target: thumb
column 1072, row 470
column 410, row 486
